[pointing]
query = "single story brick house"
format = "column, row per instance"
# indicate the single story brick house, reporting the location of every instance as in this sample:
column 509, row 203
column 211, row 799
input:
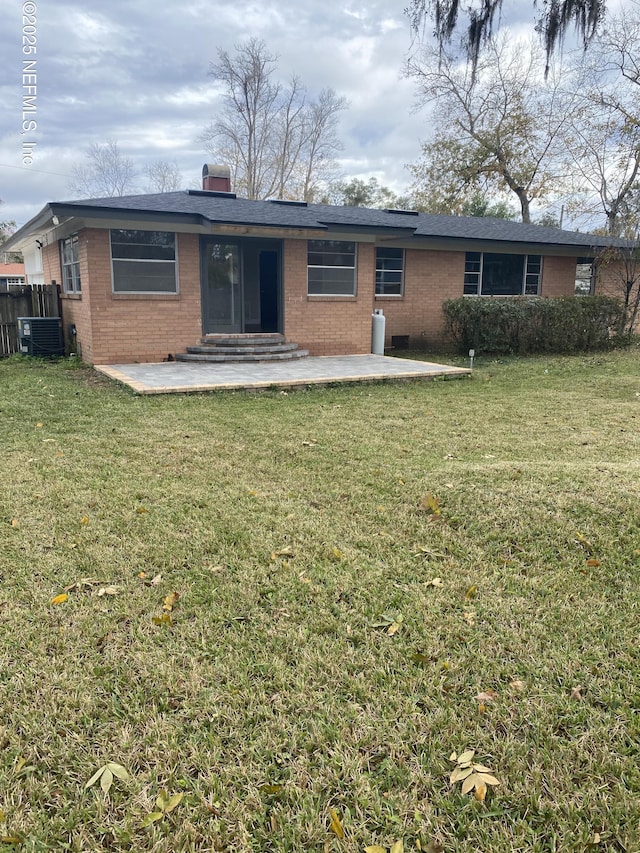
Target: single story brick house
column 145, row 276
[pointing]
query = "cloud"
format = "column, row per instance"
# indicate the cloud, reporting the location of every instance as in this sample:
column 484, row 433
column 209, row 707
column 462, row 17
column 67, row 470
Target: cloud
column 136, row 71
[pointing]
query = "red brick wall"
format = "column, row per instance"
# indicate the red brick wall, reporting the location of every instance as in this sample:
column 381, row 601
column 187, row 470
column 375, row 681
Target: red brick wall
column 51, row 268
column 433, row 276
column 328, row 325
column 429, row 278
column 116, row 328
column 558, row 276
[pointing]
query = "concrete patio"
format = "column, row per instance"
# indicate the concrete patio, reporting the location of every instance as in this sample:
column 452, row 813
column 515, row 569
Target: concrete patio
column 179, row 378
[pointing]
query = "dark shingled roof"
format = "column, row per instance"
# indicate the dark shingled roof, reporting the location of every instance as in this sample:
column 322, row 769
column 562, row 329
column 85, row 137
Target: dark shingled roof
column 225, row 208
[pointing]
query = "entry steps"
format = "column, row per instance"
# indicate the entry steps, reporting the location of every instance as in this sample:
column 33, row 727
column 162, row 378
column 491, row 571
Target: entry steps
column 258, row 346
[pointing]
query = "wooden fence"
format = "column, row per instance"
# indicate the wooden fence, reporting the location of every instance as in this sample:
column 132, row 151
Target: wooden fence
column 33, row 300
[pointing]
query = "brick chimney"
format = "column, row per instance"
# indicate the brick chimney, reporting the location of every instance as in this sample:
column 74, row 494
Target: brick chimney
column 216, row 178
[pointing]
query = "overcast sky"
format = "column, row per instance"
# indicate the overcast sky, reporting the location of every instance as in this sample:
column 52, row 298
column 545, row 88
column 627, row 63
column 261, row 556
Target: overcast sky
column 136, row 71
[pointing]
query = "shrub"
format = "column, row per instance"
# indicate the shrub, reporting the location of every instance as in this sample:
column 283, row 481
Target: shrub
column 525, row 325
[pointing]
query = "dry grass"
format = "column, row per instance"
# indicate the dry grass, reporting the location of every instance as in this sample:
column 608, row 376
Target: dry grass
column 273, row 697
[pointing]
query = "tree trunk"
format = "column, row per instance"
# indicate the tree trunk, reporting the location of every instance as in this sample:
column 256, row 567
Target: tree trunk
column 524, row 204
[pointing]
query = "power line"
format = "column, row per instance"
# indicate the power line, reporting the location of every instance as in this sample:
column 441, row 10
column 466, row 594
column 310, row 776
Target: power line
column 39, row 171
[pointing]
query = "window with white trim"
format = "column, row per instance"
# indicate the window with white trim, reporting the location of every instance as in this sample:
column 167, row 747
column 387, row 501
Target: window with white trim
column 389, row 271
column 14, row 282
column 493, row 274
column 585, row 272
column 70, row 263
column 331, row 268
column 143, row 261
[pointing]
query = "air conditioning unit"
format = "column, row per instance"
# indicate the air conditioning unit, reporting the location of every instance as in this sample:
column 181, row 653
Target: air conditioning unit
column 40, row 336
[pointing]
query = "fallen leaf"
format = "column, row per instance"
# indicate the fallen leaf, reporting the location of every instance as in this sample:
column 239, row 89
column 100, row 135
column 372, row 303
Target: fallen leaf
column 170, row 601
column 593, row 564
column 471, row 592
column 335, row 824
column 395, row 626
column 109, row 590
column 486, row 696
column 168, row 803
column 141, row 510
column 15, row 522
column 375, row 848
column 337, row 554
column 39, row 425
column 151, row 818
column 84, row 519
column 271, row 790
column 487, row 779
column 398, row 847
column 430, row 504
column 583, row 540
column 576, row 692
column 481, row 793
column 59, row 599
column 517, row 684
column 469, row 782
column 22, row 768
column 459, row 773
column 165, row 619
column 429, row 552
column 88, row 582
column 436, row 582
column 420, row 657
column 106, row 774
column 106, row 780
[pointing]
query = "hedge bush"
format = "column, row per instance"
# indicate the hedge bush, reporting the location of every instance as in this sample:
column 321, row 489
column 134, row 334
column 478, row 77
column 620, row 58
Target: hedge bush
column 525, row 325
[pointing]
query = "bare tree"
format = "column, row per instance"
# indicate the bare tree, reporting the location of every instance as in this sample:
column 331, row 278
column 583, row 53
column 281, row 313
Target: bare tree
column 321, row 142
column 496, row 126
column 105, row 173
column 7, row 227
column 275, row 141
column 603, row 138
column 603, row 151
column 552, row 23
column 163, row 176
column 619, row 274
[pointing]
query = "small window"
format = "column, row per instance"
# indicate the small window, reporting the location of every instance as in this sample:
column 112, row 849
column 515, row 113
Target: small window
column 143, row 261
column 70, row 265
column 389, row 271
column 14, row 282
column 532, row 276
column 331, row 267
column 472, row 273
column 584, row 276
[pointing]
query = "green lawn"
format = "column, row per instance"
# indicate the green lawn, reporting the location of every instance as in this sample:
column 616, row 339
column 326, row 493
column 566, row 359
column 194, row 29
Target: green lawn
column 356, row 566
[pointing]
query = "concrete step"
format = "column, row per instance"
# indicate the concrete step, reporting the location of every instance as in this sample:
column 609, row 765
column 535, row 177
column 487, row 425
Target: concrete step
column 218, row 358
column 215, row 348
column 254, row 339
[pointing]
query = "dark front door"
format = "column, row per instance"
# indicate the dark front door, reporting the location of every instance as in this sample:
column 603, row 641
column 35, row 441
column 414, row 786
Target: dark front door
column 241, row 285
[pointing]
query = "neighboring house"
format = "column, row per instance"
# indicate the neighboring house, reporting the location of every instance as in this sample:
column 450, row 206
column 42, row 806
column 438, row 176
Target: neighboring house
column 12, row 275
column 144, row 277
